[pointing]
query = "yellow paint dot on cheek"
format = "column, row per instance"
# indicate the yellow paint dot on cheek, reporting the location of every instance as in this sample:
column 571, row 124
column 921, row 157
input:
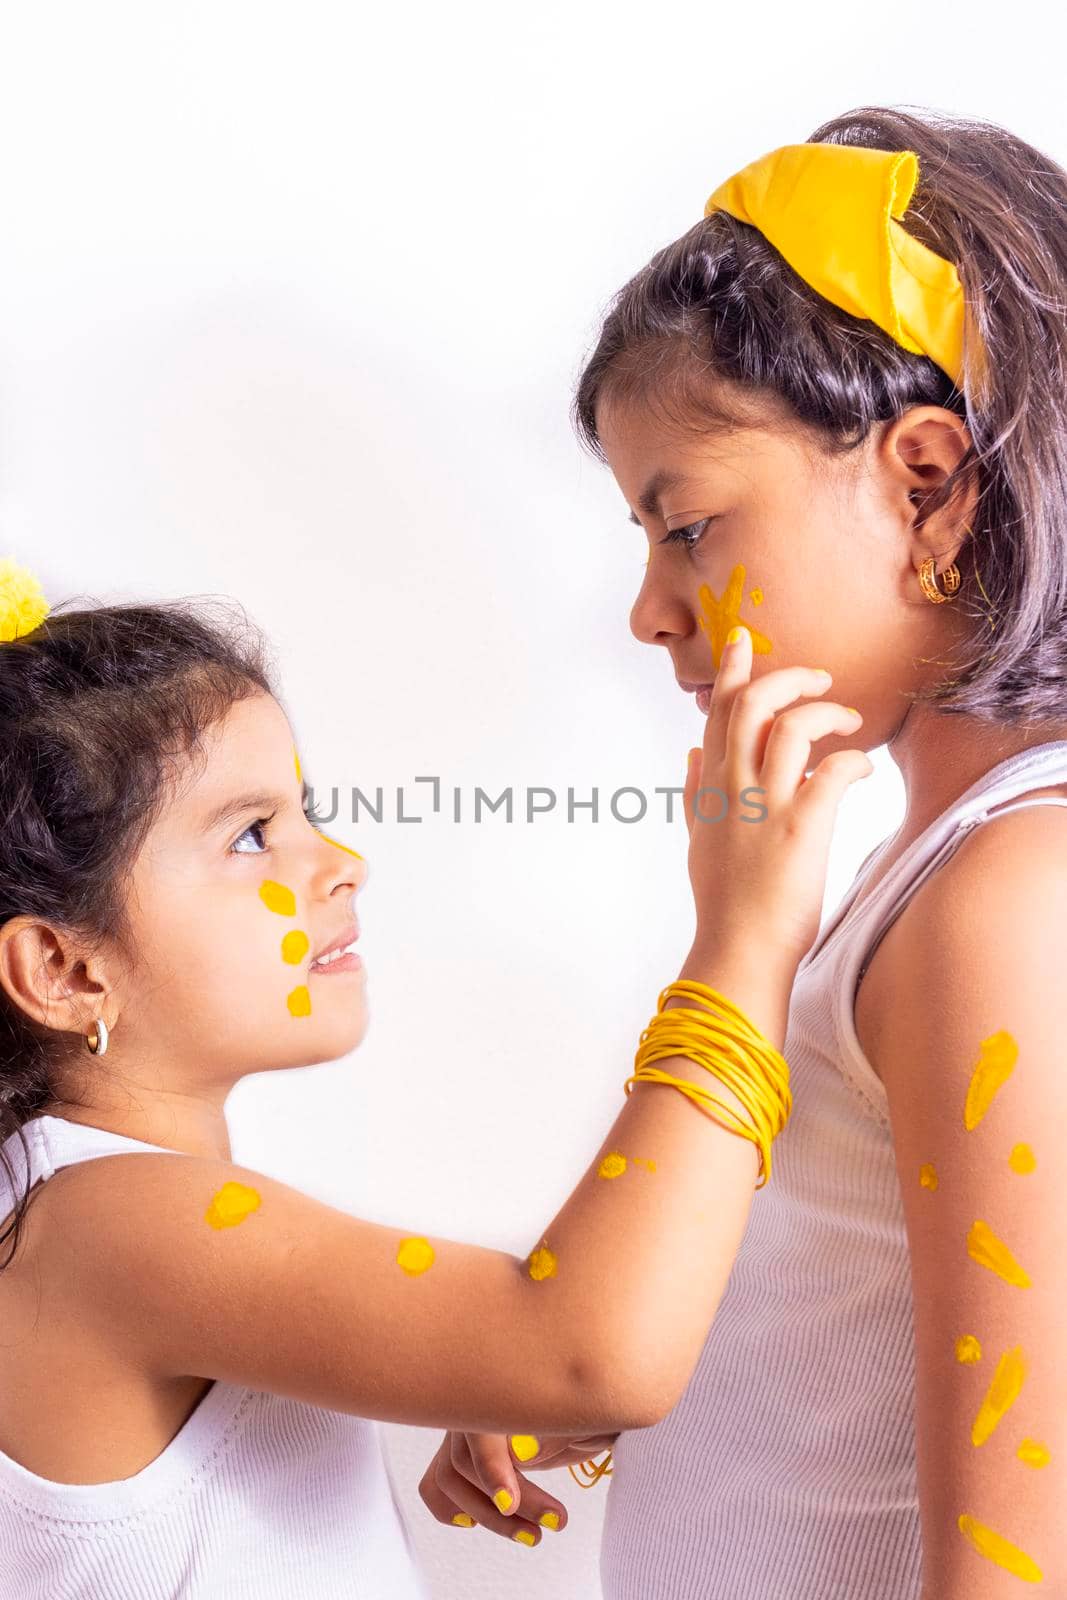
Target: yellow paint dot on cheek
column 231, row 1205
column 756, row 597
column 1022, row 1158
column 542, row 1263
column 927, row 1176
column 1034, row 1454
column 612, row 1166
column 968, row 1350
column 276, row 897
column 415, row 1256
column 294, row 946
column 524, row 1445
column 299, row 1001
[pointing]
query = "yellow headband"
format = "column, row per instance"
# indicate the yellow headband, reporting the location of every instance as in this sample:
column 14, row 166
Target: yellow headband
column 831, row 210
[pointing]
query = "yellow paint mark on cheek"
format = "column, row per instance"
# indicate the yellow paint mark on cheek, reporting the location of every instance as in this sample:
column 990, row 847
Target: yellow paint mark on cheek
column 996, row 1548
column 525, row 1446
column 299, row 1001
column 415, row 1256
column 296, row 763
column 294, row 946
column 461, row 1519
column 1033, row 1454
column 968, row 1350
column 719, row 616
column 1001, row 1395
column 756, row 597
column 995, row 1065
column 1022, row 1158
column 542, row 1263
column 276, row 897
column 341, row 846
column 502, row 1500
column 231, row 1205
column 984, row 1247
column 612, row 1166
column 524, row 1536
column 927, row 1176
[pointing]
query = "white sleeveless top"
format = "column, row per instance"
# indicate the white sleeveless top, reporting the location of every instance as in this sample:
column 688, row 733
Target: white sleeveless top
column 257, row 1497
column 787, row 1469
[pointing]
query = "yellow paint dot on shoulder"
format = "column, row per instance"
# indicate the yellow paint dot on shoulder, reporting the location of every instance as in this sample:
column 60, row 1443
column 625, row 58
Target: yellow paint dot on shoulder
column 525, row 1446
column 415, row 1256
column 299, row 1001
column 276, row 897
column 524, row 1536
column 294, row 946
column 461, row 1519
column 984, row 1247
column 549, row 1519
column 996, row 1063
column 502, row 1500
column 341, row 846
column 612, row 1166
column 928, row 1175
column 1034, row 1454
column 968, row 1350
column 231, row 1205
column 996, row 1548
column 1022, row 1158
column 542, row 1264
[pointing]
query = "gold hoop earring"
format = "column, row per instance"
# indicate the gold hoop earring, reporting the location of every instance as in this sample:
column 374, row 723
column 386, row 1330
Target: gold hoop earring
column 928, row 581
column 96, row 1039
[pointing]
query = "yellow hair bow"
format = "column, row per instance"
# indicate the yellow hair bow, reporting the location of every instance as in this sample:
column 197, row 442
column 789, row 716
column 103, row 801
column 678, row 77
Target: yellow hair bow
column 831, row 210
column 23, row 606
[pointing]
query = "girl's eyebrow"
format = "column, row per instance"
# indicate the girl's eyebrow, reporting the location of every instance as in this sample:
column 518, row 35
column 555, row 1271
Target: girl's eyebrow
column 649, row 498
column 244, row 802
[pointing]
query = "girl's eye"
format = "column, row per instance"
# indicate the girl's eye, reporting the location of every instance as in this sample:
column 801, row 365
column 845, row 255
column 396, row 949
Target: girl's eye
column 690, row 535
column 261, row 825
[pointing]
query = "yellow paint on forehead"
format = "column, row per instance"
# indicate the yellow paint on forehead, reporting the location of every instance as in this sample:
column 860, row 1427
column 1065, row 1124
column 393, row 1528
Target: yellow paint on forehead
column 415, row 1256
column 998, row 1549
column 1022, row 1159
column 968, row 1350
column 231, row 1205
column 995, row 1065
column 928, row 1175
column 342, row 846
column 525, row 1446
column 612, row 1166
column 276, row 897
column 1001, row 1395
column 299, row 1001
column 294, row 946
column 1033, row 1453
column 542, row 1263
column 984, row 1247
column 719, row 616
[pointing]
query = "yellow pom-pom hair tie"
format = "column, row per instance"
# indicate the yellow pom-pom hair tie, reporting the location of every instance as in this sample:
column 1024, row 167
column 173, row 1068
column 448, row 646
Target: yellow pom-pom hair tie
column 832, row 211
column 23, row 606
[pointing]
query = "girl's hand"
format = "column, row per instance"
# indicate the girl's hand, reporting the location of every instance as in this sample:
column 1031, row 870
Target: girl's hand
column 470, row 1468
column 759, row 881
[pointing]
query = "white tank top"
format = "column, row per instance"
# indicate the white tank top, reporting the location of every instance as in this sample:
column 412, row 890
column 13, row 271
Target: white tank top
column 787, row 1469
column 257, row 1497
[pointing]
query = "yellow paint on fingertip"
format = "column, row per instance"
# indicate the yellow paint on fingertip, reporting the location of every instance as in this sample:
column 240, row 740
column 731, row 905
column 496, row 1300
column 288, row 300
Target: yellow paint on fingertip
column 719, row 616
column 995, row 1065
column 299, row 1001
column 341, row 846
column 294, row 946
column 968, row 1350
column 927, row 1176
column 996, row 1548
column 1022, row 1158
column 525, row 1446
column 502, row 1500
column 1033, row 1453
column 524, row 1536
column 231, row 1205
column 461, row 1519
column 549, row 1519
column 542, row 1263
column 612, row 1166
column 415, row 1256
column 984, row 1247
column 1001, row 1395
column 276, row 897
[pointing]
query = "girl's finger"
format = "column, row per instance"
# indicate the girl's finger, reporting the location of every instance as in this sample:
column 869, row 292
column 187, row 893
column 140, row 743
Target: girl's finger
column 487, row 1460
column 818, row 799
column 694, row 763
column 735, row 670
column 753, row 710
column 452, row 1495
column 788, row 752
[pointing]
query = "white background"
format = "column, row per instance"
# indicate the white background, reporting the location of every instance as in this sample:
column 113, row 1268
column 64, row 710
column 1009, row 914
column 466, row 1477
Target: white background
column 292, row 301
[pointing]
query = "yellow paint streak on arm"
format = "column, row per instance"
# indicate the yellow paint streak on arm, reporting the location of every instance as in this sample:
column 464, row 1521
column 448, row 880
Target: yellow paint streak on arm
column 927, row 1176
column 995, row 1065
column 1001, row 1395
column 996, row 1548
column 984, row 1247
column 231, row 1205
column 968, row 1350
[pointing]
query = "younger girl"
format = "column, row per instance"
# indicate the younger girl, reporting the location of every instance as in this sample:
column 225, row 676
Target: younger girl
column 190, row 1349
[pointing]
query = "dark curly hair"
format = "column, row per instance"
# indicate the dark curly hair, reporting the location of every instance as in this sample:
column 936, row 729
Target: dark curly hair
column 721, row 303
column 95, row 705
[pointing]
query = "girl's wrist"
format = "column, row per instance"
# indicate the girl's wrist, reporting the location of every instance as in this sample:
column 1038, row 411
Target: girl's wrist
column 759, row 982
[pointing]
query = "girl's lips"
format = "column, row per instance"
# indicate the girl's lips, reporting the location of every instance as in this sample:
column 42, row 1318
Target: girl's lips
column 349, row 963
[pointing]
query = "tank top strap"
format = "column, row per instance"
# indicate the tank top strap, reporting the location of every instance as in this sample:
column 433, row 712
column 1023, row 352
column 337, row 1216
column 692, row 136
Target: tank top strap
column 55, row 1142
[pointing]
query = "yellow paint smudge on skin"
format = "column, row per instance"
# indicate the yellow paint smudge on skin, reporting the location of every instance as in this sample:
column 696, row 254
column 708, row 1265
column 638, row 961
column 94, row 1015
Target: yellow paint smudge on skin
column 968, row 1350
column 502, row 1500
column 995, row 1065
column 524, row 1536
column 996, row 1548
column 984, row 1247
column 639, row 1161
column 276, row 897
column 549, row 1519
column 756, row 597
column 296, row 762
column 927, row 1176
column 415, row 1256
column 299, row 1001
column 340, row 846
column 525, row 1446
column 231, row 1205
column 612, row 1166
column 294, row 946
column 542, row 1263
column 1001, row 1395
column 461, row 1519
column 1033, row 1453
column 1022, row 1158
column 719, row 616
